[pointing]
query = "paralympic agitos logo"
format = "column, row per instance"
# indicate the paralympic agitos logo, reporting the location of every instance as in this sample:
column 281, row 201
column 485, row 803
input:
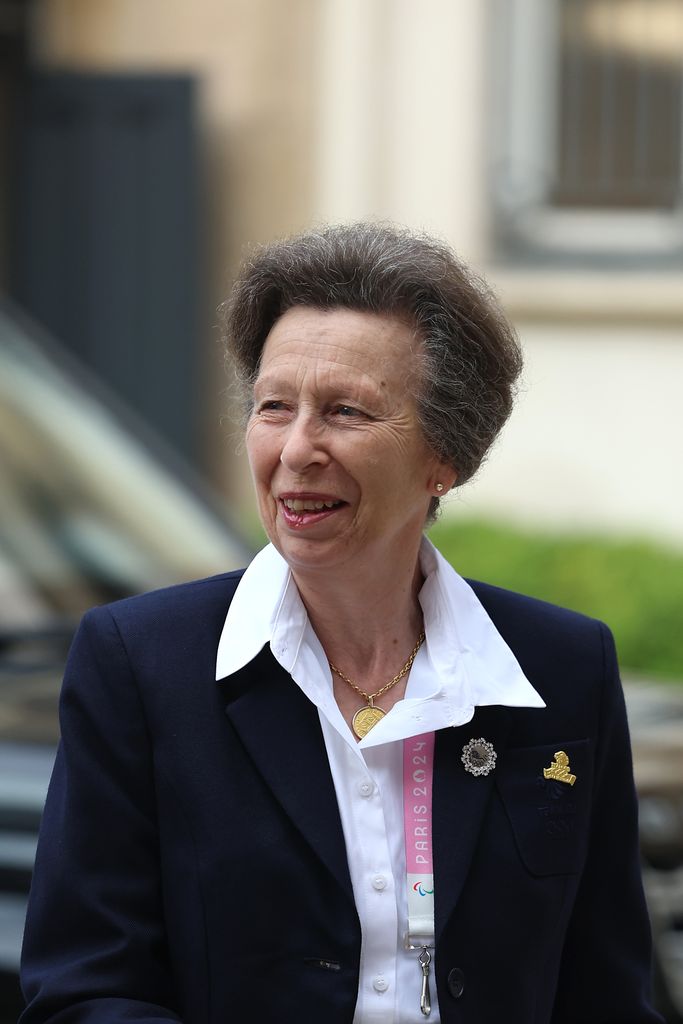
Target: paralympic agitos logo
column 419, row 888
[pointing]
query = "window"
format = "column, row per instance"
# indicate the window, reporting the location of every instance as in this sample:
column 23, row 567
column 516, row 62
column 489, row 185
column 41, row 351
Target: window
column 588, row 138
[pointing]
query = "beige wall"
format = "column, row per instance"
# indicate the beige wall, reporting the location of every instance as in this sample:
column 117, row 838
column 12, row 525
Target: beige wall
column 593, row 442
column 343, row 109
column 401, row 136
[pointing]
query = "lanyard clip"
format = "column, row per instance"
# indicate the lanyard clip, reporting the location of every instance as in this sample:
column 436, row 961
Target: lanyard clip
column 417, row 941
column 425, row 960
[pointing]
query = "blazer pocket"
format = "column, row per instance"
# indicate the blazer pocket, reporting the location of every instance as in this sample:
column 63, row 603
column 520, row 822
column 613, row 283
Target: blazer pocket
column 546, row 794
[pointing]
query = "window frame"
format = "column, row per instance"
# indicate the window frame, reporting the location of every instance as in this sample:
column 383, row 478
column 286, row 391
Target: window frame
column 528, row 227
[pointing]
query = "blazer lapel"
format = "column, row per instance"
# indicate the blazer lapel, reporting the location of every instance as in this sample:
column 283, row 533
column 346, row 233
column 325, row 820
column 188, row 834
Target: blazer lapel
column 459, row 803
column 280, row 730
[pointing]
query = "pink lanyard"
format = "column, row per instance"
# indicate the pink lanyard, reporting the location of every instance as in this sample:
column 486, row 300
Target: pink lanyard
column 418, row 773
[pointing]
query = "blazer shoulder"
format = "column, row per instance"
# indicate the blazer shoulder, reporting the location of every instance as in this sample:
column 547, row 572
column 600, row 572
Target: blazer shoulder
column 568, row 657
column 197, row 600
column 541, row 633
column 498, row 601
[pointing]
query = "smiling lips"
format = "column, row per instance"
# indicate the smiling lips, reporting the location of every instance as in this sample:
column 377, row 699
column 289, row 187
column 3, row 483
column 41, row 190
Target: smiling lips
column 309, row 510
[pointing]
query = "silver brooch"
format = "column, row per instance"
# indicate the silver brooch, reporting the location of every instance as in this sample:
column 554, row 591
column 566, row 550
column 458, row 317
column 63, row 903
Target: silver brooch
column 479, row 757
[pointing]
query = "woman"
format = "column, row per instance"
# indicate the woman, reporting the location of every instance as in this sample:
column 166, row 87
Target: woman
column 402, row 797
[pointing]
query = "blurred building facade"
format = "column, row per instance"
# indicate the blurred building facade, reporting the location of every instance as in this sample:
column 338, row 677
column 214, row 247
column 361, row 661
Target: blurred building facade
column 541, row 138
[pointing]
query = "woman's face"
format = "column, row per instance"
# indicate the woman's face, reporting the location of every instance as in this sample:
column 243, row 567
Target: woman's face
column 341, row 470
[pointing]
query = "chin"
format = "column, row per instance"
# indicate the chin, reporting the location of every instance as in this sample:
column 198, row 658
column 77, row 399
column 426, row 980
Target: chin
column 304, row 555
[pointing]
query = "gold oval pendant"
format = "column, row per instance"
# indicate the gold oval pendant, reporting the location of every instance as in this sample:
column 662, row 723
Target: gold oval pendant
column 366, row 719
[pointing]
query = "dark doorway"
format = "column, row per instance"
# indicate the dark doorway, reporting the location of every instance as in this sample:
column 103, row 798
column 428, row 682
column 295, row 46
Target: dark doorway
column 104, row 242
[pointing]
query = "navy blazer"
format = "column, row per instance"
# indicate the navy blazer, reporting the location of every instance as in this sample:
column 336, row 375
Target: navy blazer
column 192, row 864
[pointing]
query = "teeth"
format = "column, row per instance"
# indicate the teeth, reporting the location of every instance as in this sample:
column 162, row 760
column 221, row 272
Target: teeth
column 299, row 505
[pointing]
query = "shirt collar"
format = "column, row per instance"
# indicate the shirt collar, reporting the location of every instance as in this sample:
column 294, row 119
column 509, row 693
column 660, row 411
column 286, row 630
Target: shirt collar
column 266, row 608
column 465, row 648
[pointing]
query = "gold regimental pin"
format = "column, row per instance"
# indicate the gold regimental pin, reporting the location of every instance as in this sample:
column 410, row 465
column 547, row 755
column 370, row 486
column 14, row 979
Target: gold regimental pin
column 559, row 769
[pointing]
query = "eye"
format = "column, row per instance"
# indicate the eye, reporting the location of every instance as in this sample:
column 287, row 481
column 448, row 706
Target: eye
column 270, row 405
column 346, row 411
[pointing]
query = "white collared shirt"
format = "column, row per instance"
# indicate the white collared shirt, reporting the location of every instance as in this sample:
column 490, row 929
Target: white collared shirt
column 464, row 663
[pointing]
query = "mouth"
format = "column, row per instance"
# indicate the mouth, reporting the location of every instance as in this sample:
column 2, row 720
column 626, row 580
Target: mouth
column 299, row 511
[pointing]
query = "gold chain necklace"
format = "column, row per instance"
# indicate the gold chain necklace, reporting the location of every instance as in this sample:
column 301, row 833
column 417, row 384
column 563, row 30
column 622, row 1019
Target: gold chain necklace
column 367, row 717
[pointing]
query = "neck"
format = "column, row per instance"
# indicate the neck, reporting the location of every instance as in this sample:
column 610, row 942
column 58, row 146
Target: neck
column 369, row 622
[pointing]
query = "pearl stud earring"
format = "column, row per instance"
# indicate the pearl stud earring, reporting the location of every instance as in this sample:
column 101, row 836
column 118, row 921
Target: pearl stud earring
column 439, row 487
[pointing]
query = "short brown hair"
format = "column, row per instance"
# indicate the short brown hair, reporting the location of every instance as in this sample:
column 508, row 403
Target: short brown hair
column 471, row 356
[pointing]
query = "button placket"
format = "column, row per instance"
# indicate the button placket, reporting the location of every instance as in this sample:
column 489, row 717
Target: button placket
column 363, row 809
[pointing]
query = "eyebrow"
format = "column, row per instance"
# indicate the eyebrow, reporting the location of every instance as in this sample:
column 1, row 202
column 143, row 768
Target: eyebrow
column 272, row 382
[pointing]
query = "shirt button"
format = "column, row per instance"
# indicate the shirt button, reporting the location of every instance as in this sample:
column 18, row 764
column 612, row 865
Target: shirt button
column 379, row 882
column 380, row 984
column 365, row 788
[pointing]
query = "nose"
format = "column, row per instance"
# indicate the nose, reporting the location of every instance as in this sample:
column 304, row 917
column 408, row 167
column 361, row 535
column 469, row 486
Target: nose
column 303, row 444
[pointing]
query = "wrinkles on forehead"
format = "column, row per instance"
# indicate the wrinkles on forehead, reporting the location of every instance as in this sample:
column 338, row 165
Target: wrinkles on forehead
column 373, row 356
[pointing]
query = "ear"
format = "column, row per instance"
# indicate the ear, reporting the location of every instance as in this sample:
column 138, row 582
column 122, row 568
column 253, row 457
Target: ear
column 442, row 479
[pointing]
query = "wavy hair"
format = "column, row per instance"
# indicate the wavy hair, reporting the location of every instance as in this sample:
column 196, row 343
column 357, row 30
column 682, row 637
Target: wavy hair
column 471, row 358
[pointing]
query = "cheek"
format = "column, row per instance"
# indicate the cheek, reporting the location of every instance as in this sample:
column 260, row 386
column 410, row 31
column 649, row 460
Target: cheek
column 260, row 454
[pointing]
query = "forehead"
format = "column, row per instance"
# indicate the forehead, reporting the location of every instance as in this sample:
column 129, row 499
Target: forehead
column 341, row 340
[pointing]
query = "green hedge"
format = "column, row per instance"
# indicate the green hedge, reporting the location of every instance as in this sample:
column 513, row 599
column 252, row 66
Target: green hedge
column 634, row 586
